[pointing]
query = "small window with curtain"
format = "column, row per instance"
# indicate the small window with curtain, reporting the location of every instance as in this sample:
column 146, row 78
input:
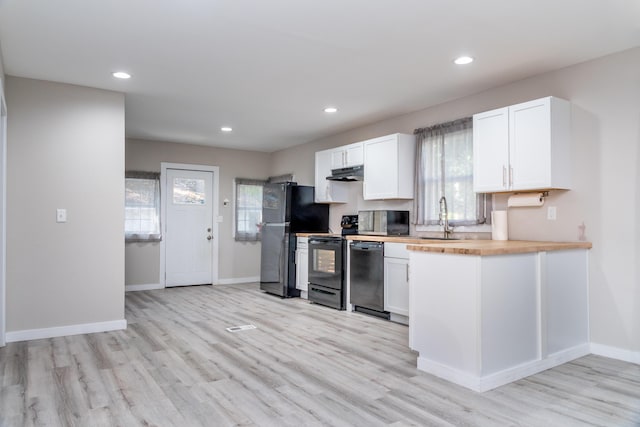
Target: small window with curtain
column 142, row 207
column 444, row 168
column 248, row 211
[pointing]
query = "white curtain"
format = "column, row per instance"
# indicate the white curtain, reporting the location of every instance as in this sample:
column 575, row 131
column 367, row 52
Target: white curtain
column 142, row 207
column 444, row 167
column 248, row 212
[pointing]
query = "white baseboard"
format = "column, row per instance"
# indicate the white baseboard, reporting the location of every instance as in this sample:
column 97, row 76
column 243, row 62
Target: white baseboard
column 237, row 280
column 61, row 331
column 152, row 286
column 399, row 318
column 489, row 382
column 616, row 353
column 149, row 287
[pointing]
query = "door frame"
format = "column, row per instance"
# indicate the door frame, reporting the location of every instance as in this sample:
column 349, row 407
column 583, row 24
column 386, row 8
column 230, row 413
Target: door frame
column 3, row 213
column 215, row 170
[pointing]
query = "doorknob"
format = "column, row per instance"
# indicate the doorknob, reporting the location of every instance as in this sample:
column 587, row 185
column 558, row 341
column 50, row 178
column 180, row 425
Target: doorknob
column 209, row 237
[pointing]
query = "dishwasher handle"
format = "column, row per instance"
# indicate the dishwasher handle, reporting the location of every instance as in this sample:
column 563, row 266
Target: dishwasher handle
column 367, row 246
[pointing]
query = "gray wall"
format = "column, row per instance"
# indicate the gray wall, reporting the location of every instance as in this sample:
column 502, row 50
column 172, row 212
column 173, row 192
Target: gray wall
column 237, row 260
column 65, row 150
column 605, row 96
column 2, row 69
column 3, row 177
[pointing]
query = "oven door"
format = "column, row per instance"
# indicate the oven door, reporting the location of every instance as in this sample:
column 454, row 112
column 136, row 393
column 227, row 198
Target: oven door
column 325, row 262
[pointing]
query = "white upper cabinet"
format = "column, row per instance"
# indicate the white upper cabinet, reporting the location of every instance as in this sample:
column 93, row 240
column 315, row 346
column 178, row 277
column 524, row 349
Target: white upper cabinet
column 389, row 167
column 522, row 147
column 491, row 151
column 328, row 191
column 347, row 155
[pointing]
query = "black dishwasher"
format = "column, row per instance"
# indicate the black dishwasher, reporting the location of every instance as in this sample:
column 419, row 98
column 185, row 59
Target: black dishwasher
column 367, row 278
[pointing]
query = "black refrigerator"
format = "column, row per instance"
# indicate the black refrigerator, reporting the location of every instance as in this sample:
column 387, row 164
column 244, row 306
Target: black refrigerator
column 287, row 209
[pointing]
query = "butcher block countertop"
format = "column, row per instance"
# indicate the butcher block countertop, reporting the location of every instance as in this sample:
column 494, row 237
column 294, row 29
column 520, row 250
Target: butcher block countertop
column 495, row 247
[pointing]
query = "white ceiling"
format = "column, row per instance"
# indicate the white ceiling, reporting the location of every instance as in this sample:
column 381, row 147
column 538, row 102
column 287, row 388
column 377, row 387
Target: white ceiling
column 268, row 68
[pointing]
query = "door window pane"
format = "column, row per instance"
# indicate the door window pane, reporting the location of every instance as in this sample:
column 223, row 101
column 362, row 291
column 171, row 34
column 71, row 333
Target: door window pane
column 188, row 191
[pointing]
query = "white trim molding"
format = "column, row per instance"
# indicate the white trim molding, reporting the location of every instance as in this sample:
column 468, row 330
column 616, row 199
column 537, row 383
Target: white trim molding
column 3, row 213
column 238, row 280
column 62, row 331
column 147, row 287
column 616, row 353
column 506, row 376
column 215, row 170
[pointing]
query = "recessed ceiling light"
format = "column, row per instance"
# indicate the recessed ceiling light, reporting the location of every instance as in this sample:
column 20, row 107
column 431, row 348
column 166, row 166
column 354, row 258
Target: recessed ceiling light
column 226, row 129
column 121, row 75
column 330, row 110
column 463, row 60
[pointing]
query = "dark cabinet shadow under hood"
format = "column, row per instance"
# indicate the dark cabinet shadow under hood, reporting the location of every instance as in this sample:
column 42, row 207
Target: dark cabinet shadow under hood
column 352, row 173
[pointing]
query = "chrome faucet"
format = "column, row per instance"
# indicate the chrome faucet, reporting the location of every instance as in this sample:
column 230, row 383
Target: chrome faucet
column 444, row 217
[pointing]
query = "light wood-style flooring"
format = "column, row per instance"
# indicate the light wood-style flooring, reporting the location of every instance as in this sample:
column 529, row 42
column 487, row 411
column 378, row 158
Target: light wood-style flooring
column 304, row 365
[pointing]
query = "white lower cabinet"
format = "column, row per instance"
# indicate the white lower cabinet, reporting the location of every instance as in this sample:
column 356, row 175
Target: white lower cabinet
column 485, row 321
column 396, row 281
column 302, row 265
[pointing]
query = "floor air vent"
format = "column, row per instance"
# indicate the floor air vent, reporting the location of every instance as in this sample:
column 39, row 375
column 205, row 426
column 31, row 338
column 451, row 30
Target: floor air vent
column 240, row 328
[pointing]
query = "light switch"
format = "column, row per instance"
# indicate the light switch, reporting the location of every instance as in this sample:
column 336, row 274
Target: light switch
column 61, row 215
column 551, row 213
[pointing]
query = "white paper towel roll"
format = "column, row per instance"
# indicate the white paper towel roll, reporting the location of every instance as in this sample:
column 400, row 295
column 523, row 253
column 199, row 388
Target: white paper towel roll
column 526, row 199
column 499, row 225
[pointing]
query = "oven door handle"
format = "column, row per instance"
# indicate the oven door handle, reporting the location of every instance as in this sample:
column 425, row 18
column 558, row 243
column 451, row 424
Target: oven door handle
column 322, row 291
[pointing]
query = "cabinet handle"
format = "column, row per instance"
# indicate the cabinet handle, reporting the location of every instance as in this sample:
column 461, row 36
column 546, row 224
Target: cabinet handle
column 510, row 176
column 407, row 272
column 504, row 176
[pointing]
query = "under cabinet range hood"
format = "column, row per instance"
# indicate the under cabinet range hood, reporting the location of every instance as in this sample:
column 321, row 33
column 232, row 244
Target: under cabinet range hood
column 351, row 173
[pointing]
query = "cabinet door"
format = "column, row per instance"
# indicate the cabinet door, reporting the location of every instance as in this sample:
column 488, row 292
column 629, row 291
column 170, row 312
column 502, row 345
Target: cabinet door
column 323, row 170
column 491, row 151
column 396, row 286
column 338, row 158
column 302, row 269
column 328, row 191
column 381, row 168
column 530, row 144
column 354, row 154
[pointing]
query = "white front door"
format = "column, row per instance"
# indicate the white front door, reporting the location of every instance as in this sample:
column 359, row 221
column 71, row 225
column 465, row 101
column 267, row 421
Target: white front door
column 189, row 227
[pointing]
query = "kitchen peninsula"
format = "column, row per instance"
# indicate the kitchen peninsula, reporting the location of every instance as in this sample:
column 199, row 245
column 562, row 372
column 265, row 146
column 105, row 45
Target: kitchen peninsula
column 486, row 313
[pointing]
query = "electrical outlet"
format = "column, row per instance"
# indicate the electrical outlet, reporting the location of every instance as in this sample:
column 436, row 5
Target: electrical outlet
column 551, row 213
column 61, row 215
